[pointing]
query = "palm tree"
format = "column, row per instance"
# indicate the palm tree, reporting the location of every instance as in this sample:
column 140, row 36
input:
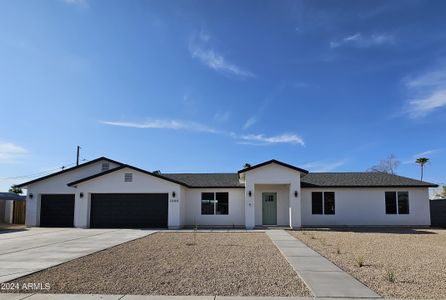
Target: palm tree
column 422, row 161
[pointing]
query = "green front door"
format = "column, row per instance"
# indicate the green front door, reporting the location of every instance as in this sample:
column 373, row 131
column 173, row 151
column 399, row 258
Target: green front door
column 269, row 208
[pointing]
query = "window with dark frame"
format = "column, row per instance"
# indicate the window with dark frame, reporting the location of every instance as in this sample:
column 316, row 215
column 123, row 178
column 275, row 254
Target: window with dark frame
column 323, row 203
column 397, row 203
column 215, row 203
column 207, row 203
column 316, row 203
column 222, row 203
column 329, row 203
column 403, row 203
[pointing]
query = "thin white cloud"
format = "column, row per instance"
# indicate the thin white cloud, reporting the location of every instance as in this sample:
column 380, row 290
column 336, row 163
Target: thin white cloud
column 163, row 124
column 200, row 49
column 251, row 121
column 222, row 116
column 427, row 92
column 250, row 139
column 10, row 153
column 261, row 139
column 76, row 2
column 427, row 153
column 359, row 40
column 322, row 166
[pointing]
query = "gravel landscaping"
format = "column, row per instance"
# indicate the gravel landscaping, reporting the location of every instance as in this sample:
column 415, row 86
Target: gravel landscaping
column 397, row 263
column 242, row 264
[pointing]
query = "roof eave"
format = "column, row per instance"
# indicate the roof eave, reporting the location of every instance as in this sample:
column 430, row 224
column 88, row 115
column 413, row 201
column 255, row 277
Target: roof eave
column 26, row 184
column 271, row 162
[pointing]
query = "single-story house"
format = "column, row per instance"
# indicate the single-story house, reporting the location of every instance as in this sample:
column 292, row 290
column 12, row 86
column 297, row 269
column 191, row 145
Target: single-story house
column 107, row 193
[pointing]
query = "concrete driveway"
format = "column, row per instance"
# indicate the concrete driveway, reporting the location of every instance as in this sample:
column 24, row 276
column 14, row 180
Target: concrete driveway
column 35, row 249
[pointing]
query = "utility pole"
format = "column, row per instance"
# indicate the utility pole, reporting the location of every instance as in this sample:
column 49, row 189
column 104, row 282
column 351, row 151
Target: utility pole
column 77, row 155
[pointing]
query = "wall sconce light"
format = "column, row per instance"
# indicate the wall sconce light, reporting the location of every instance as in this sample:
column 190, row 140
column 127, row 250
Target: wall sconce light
column 31, row 196
column 249, row 193
column 173, row 194
column 81, row 195
column 296, row 194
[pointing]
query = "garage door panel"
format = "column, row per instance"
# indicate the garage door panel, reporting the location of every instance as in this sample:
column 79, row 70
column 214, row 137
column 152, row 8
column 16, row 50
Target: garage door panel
column 128, row 210
column 57, row 210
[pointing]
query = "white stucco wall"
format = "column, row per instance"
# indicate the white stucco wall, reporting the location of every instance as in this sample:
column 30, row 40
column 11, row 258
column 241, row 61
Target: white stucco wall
column 56, row 185
column 366, row 207
column 114, row 183
column 269, row 175
column 236, row 214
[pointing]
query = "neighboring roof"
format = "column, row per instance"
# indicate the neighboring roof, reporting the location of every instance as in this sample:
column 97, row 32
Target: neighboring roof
column 272, row 161
column 360, row 179
column 207, row 180
column 11, row 196
column 123, row 166
column 68, row 170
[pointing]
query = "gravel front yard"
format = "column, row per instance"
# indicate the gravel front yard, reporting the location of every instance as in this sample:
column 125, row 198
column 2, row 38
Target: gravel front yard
column 415, row 258
column 243, row 264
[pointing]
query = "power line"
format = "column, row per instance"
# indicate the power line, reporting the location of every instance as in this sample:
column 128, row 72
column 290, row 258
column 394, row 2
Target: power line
column 41, row 173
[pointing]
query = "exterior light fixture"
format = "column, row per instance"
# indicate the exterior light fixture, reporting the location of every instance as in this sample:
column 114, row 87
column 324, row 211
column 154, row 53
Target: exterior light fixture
column 296, row 194
column 173, row 194
column 31, row 196
column 81, row 195
column 249, row 193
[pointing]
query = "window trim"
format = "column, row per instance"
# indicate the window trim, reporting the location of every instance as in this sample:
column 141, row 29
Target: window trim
column 214, row 203
column 323, row 213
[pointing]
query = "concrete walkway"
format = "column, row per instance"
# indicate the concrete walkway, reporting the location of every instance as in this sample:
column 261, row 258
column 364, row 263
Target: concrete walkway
column 35, row 249
column 322, row 277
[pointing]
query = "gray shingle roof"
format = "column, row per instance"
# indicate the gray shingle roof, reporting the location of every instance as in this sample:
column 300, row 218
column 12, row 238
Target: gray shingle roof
column 358, row 179
column 206, row 179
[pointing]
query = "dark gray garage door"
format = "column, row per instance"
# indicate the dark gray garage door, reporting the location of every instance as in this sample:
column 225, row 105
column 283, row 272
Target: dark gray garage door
column 57, row 210
column 128, row 210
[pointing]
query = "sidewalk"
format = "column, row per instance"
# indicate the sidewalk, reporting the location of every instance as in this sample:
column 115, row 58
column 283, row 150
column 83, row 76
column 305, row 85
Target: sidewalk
column 322, row 277
column 138, row 297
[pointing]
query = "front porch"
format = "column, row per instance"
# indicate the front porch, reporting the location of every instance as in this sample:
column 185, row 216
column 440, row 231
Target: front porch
column 272, row 195
column 272, row 205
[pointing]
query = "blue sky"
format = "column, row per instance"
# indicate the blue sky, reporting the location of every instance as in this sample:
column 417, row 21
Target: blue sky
column 205, row 86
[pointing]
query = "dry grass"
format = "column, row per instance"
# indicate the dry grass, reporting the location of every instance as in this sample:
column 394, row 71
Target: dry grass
column 399, row 263
column 243, row 264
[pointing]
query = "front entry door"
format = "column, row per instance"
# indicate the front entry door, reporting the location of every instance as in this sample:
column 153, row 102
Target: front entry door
column 269, row 208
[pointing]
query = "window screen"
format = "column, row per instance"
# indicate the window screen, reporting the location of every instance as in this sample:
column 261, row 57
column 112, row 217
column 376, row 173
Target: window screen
column 207, row 203
column 222, row 203
column 329, row 203
column 403, row 203
column 390, row 203
column 316, row 203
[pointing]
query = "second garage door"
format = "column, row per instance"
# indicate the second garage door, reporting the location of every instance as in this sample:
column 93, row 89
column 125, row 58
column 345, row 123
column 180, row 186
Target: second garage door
column 128, row 210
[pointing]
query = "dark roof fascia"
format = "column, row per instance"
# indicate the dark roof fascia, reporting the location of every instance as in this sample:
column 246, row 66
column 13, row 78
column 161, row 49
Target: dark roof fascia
column 120, row 168
column 216, row 187
column 270, row 162
column 309, row 186
column 68, row 170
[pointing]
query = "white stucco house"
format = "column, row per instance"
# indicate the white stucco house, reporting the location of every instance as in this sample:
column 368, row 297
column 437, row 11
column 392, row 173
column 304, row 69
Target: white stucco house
column 106, row 193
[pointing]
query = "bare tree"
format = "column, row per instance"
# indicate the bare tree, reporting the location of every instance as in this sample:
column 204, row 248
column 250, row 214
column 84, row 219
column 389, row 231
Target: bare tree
column 388, row 165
